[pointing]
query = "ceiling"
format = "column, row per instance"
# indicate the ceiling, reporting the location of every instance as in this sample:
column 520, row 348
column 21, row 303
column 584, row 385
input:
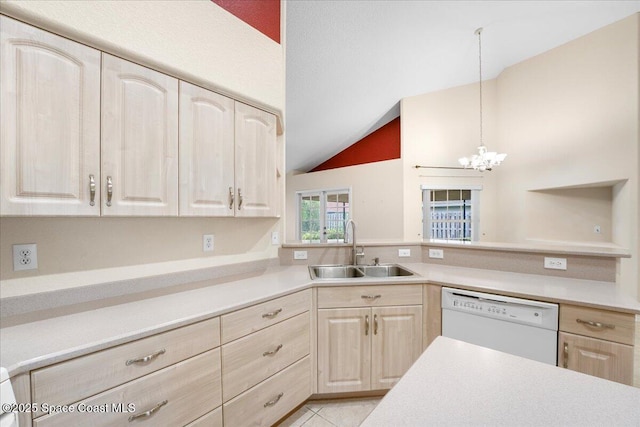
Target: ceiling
column 349, row 63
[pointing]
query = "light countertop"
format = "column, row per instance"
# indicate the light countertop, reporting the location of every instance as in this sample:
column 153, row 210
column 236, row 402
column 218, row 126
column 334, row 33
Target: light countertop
column 35, row 344
column 456, row 383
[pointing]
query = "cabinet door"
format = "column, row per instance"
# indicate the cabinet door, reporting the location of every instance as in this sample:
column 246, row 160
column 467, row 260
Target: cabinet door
column 397, row 343
column 50, row 123
column 255, row 162
column 344, row 350
column 596, row 357
column 139, row 140
column 206, row 152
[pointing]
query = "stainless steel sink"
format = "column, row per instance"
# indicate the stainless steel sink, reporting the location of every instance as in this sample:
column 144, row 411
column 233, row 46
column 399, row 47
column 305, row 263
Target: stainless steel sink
column 353, row 271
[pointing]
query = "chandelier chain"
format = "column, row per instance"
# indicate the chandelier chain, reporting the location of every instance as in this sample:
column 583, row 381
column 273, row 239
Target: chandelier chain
column 479, row 32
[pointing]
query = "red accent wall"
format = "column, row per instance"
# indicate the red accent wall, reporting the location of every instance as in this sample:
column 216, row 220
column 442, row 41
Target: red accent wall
column 382, row 144
column 263, row 15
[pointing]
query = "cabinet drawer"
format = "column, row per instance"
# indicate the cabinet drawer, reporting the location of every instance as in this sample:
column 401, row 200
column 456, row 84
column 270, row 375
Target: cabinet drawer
column 251, row 359
column 603, row 324
column 270, row 400
column 251, row 319
column 84, row 376
column 190, row 388
column 369, row 296
column 599, row 358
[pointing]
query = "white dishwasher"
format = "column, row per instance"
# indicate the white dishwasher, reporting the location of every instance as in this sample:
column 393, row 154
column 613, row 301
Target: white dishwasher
column 512, row 325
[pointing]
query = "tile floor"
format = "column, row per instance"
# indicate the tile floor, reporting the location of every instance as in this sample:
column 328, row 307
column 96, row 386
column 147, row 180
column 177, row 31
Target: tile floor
column 332, row 413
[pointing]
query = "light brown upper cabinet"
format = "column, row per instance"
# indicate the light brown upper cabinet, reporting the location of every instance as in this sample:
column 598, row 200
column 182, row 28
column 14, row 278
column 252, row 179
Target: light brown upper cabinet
column 255, row 165
column 50, row 123
column 207, row 185
column 139, row 140
column 227, row 156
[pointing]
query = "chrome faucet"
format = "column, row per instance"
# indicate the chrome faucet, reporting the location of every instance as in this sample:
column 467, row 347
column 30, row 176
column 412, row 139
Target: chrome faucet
column 354, row 250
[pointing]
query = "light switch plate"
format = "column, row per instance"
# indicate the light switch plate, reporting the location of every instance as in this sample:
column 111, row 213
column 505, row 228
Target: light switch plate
column 299, row 254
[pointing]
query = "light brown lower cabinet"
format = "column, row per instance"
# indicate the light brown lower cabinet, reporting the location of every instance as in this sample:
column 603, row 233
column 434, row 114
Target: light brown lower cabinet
column 366, row 348
column 273, row 398
column 173, row 396
column 600, row 358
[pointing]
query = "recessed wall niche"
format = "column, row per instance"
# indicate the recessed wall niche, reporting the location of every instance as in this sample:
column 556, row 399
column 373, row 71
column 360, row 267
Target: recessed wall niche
column 579, row 214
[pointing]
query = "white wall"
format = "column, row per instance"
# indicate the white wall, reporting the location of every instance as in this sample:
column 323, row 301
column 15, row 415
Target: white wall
column 569, row 117
column 436, row 129
column 376, row 191
column 568, row 120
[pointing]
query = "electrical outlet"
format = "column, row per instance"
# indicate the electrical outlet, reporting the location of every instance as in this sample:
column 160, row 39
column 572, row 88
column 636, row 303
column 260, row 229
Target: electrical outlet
column 596, row 229
column 555, row 263
column 275, row 238
column 207, row 242
column 436, row 253
column 299, row 254
column 404, row 253
column 25, row 257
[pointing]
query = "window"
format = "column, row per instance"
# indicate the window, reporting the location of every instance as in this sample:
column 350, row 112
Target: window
column 323, row 215
column 451, row 214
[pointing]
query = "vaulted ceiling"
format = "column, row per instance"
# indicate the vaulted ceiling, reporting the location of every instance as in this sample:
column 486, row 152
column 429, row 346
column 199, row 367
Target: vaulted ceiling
column 350, row 62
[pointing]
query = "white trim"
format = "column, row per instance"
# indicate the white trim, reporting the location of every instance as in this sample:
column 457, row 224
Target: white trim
column 451, row 187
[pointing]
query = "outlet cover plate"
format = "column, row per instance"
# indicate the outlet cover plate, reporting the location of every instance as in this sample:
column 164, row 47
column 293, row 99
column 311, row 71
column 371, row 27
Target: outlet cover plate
column 299, row 254
column 436, row 253
column 207, row 243
column 275, row 238
column 25, row 257
column 404, row 253
column 555, row 263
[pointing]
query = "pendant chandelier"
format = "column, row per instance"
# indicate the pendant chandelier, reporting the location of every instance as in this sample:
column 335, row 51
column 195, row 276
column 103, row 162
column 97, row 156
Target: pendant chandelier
column 484, row 160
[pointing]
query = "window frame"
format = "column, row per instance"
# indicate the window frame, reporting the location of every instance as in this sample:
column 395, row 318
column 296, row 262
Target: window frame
column 426, row 210
column 322, row 193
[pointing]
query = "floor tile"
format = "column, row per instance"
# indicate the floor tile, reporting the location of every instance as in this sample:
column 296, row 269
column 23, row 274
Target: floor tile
column 298, row 418
column 348, row 413
column 317, row 421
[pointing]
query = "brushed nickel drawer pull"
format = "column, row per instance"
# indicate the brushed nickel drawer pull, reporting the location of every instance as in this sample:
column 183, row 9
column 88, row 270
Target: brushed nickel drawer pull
column 565, row 352
column 149, row 412
column 92, row 190
column 146, row 358
column 230, row 197
column 375, row 324
column 596, row 324
column 239, row 198
column 366, row 325
column 271, row 314
column 370, row 297
column 273, row 401
column 109, row 190
column 272, row 352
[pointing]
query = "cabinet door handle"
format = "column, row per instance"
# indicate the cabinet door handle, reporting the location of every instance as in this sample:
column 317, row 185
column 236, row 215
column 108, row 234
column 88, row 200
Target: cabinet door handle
column 109, row 190
column 565, row 355
column 272, row 352
column 596, row 324
column 230, row 197
column 273, row 401
column 239, row 198
column 149, row 412
column 375, row 324
column 92, row 190
column 271, row 314
column 145, row 358
column 366, row 325
column 370, row 297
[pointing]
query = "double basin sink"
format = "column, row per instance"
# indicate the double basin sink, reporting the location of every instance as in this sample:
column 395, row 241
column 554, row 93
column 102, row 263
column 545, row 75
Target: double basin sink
column 356, row 271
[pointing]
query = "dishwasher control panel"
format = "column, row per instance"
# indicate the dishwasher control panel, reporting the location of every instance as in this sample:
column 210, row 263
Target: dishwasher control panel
column 518, row 310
